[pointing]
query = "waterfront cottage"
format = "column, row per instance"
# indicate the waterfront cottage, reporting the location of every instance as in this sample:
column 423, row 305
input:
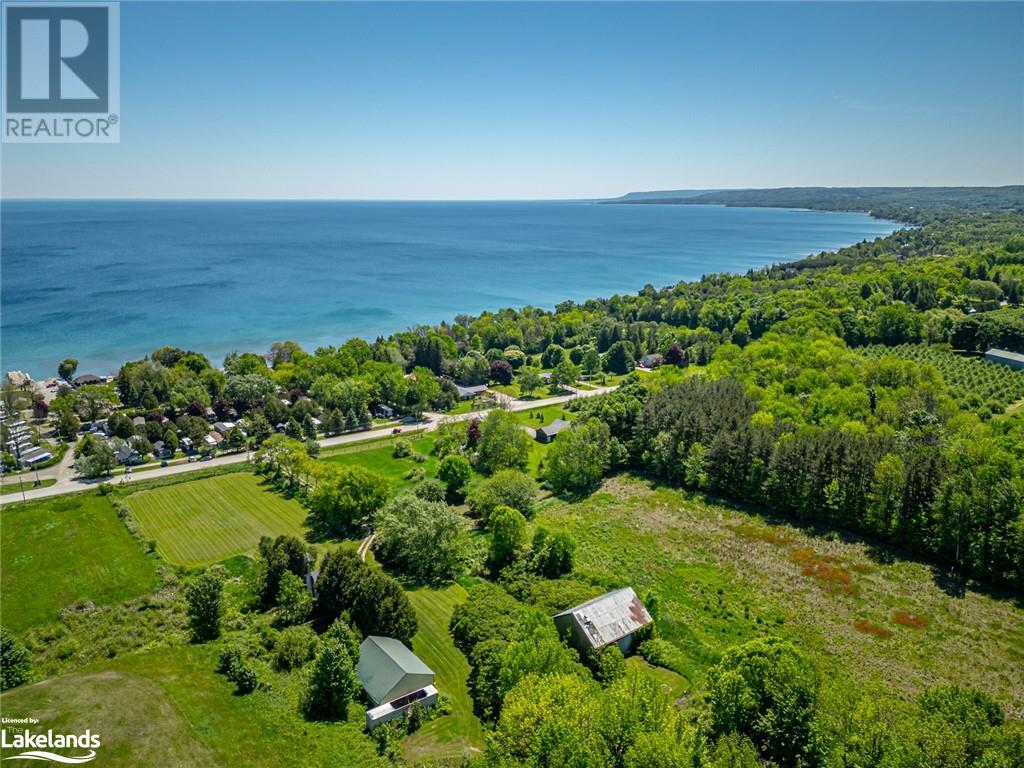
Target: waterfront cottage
column 615, row 617
column 393, row 678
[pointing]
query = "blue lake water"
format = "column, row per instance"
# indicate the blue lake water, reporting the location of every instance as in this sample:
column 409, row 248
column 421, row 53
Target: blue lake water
column 109, row 281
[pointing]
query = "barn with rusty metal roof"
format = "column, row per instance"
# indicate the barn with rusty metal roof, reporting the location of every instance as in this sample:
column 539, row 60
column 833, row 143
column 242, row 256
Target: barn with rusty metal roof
column 614, row 617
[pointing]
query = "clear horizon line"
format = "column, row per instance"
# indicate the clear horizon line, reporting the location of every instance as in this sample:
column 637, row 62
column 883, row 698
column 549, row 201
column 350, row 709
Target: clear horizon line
column 570, row 199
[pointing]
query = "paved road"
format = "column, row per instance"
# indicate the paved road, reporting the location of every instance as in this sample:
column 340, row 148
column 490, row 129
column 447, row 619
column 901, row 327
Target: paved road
column 68, row 484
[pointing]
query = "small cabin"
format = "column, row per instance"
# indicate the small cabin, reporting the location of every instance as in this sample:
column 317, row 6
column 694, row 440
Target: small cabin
column 394, row 678
column 549, row 432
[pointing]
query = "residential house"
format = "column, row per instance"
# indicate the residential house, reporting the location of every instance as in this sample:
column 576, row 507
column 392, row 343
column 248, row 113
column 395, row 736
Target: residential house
column 139, row 422
column 614, row 617
column 160, row 450
column 213, row 439
column 393, row 678
column 382, row 411
column 549, row 432
column 88, row 378
column 1005, row 357
column 34, row 455
column 468, row 393
column 651, row 361
column 223, row 426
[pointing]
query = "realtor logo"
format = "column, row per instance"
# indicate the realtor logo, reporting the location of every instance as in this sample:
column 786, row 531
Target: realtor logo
column 61, row 72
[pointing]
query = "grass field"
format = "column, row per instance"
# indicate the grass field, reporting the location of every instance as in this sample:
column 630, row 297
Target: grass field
column 547, row 414
column 12, row 488
column 205, row 521
column 725, row 577
column 169, row 708
column 379, row 458
column 458, row 732
column 57, row 552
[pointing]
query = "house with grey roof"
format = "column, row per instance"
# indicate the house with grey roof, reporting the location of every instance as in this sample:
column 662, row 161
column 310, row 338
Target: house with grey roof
column 549, row 432
column 393, row 678
column 614, row 617
column 468, row 393
column 1004, row 357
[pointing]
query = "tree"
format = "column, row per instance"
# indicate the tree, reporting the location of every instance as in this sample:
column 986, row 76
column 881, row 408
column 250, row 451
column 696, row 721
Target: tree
column 529, row 381
column 676, row 355
column 425, row 539
column 455, row 472
column 294, row 647
column 335, row 422
column 66, row 369
column 68, row 423
column 507, row 487
column 768, row 691
column 294, row 602
column 579, row 457
column 15, row 662
column 620, row 358
column 509, row 537
column 696, row 474
column 344, row 495
column 375, row 602
column 308, row 427
column 565, row 374
column 120, row 425
column 503, row 444
column 204, row 597
column 332, row 682
column 280, row 556
column 552, row 555
column 98, row 463
column 591, row 362
column 501, row 372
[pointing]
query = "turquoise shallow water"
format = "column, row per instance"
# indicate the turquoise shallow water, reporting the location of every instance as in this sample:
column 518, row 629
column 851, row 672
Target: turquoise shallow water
column 108, row 281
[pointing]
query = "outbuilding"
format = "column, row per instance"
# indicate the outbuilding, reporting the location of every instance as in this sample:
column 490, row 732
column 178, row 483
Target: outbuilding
column 393, row 678
column 614, row 617
column 468, row 393
column 549, row 432
column 1005, row 357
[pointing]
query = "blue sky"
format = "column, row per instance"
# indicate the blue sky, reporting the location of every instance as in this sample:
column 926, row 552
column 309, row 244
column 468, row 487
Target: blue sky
column 538, row 100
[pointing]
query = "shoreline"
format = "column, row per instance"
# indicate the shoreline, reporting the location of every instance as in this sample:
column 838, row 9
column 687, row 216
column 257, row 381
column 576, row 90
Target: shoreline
column 313, row 340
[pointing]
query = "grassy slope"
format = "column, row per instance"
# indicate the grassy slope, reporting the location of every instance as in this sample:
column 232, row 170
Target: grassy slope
column 379, row 459
column 726, row 577
column 205, row 521
column 193, row 715
column 459, row 731
column 60, row 551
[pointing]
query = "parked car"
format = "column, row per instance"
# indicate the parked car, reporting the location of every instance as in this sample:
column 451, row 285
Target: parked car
column 396, row 430
column 207, row 457
column 193, row 459
column 163, row 463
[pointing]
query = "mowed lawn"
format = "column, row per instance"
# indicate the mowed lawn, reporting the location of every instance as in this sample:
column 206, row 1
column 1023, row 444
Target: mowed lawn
column 459, row 732
column 57, row 552
column 205, row 521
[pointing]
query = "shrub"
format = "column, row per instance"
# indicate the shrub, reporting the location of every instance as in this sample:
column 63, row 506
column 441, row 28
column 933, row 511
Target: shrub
column 244, row 677
column 508, row 537
column 662, row 653
column 430, row 489
column 552, row 556
column 294, row 648
column 402, row 448
column 608, row 664
column 15, row 662
column 454, row 472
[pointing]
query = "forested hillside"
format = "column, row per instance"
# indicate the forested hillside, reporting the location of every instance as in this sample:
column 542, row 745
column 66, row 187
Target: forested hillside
column 790, row 401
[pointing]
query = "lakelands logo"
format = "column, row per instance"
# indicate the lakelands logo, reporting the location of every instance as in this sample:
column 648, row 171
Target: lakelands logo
column 40, row 746
column 61, row 72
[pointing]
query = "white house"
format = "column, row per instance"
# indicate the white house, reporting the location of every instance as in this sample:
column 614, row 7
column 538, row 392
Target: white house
column 393, row 678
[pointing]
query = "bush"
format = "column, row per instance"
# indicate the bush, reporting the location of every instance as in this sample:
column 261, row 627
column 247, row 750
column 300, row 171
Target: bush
column 228, row 659
column 430, row 489
column 15, row 662
column 507, row 487
column 204, row 595
column 662, row 653
column 608, row 664
column 244, row 677
column 552, row 555
column 294, row 648
column 508, row 537
column 402, row 448
column 454, row 472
